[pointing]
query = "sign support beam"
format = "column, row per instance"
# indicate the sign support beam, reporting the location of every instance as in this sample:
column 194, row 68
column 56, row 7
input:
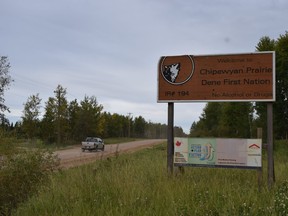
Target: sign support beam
column 170, row 138
column 260, row 171
column 271, row 174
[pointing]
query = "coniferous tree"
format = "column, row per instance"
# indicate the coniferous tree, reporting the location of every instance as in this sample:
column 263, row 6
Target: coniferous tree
column 55, row 121
column 73, row 110
column 139, row 126
column 236, row 120
column 265, row 44
column 89, row 120
column 227, row 119
column 209, row 122
column 280, row 108
column 61, row 107
column 48, row 129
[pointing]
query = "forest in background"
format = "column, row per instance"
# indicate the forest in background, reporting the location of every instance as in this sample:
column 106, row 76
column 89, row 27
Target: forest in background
column 69, row 121
column 241, row 119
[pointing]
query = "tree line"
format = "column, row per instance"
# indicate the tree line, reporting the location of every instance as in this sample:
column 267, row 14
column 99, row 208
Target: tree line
column 66, row 121
column 231, row 119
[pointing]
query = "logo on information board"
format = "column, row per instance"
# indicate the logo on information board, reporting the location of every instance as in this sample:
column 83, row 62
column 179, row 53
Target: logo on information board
column 178, row 143
column 254, row 146
column 177, row 70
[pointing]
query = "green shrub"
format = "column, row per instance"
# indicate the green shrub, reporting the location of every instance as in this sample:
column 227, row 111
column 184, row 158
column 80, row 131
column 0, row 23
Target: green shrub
column 21, row 174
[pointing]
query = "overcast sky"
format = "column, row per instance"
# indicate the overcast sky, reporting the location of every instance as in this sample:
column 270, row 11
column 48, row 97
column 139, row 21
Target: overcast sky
column 110, row 49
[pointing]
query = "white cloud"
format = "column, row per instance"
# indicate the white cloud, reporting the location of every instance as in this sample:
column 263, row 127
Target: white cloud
column 110, row 49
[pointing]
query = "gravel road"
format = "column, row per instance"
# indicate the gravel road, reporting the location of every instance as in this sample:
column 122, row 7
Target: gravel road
column 74, row 156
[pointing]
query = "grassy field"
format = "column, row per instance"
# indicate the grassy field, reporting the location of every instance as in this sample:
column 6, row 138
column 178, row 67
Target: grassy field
column 137, row 184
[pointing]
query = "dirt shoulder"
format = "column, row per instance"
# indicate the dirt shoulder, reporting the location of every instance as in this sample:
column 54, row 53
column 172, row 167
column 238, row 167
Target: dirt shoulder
column 75, row 157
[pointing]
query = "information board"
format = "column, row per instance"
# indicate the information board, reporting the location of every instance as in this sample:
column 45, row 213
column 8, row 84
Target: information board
column 225, row 77
column 218, row 152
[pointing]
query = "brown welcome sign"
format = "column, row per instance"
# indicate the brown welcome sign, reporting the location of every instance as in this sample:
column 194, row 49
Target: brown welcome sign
column 225, row 77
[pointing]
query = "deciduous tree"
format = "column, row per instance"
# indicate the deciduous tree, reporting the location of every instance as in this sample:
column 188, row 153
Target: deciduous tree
column 5, row 81
column 31, row 114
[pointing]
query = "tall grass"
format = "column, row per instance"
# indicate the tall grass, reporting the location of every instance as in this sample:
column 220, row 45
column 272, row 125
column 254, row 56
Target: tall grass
column 138, row 184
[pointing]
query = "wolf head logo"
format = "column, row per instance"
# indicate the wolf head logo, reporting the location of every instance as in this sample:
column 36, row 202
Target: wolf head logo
column 171, row 72
column 176, row 70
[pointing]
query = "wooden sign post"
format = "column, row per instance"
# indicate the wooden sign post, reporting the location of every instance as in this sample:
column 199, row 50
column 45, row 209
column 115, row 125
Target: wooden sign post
column 271, row 175
column 170, row 138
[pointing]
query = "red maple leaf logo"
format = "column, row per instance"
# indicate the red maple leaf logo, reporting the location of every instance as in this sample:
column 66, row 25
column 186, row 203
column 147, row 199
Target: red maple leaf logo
column 178, row 143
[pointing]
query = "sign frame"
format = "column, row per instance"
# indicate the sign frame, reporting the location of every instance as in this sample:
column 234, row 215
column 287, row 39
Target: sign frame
column 218, row 152
column 174, row 87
